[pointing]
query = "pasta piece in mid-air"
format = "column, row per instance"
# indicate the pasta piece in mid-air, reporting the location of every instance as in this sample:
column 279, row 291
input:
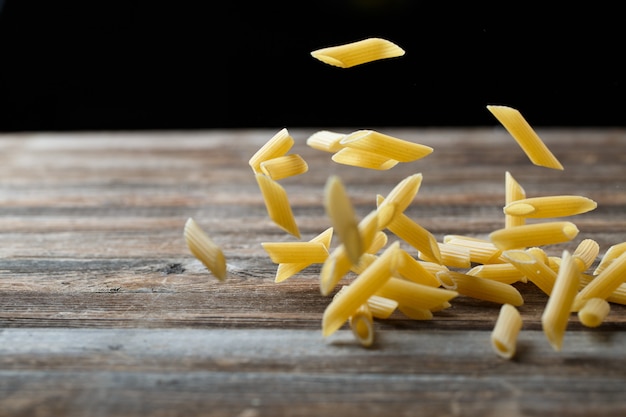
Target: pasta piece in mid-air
column 277, row 145
column 284, row 166
column 505, row 332
column 363, row 159
column 204, row 249
column 287, row 270
column 537, row 234
column 277, row 204
column 513, row 191
column 593, row 312
column 357, row 53
column 385, row 145
column 326, row 140
column 343, row 218
column 550, row 206
column 481, row 288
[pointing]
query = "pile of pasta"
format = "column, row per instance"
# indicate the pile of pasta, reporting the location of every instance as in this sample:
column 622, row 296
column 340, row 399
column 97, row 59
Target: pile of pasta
column 369, row 276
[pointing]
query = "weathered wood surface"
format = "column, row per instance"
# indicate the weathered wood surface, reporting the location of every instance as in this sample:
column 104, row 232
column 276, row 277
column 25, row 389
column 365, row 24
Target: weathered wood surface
column 105, row 312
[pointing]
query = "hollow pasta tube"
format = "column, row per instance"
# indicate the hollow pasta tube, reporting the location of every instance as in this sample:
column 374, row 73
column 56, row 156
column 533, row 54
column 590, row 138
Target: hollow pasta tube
column 358, row 52
column 550, row 206
column 534, row 235
column 506, row 331
column 385, row 145
column 277, row 145
column 205, row 249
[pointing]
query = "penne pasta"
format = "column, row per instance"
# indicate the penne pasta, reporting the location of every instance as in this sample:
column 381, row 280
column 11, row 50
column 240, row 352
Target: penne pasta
column 287, row 270
column 284, row 166
column 535, row 270
column 385, row 145
column 412, row 294
column 401, row 196
column 325, row 140
column 557, row 311
column 593, row 312
column 204, row 249
column 277, row 204
column 358, row 292
column 512, row 192
column 618, row 296
column 357, row 53
column 506, row 273
column 550, row 206
column 362, row 325
column 414, row 234
column 381, row 307
column 586, row 253
column 525, row 136
column 605, row 283
column 363, row 159
column 481, row 251
column 416, row 313
column 413, row 270
column 343, row 218
column 505, row 332
column 533, row 235
column 296, row 252
column 277, row 145
column 480, row 288
column 611, row 254
column 454, row 256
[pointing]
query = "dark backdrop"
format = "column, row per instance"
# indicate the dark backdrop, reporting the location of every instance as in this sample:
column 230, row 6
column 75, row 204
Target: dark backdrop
column 69, row 65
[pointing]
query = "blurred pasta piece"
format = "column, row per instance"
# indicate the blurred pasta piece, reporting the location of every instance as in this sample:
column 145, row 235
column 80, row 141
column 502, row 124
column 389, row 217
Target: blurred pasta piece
column 357, row 53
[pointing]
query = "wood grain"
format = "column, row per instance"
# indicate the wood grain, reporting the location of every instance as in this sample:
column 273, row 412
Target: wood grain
column 103, row 311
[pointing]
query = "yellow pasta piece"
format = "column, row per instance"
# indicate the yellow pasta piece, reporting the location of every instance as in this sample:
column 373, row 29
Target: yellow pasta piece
column 513, row 192
column 416, row 313
column 525, row 136
column 277, row 204
column 278, row 145
column 401, row 196
column 381, row 307
column 605, row 283
column 593, row 312
column 284, row 166
column 296, row 252
column 363, row 159
column 537, row 234
column 362, row 325
column 503, row 272
column 338, row 264
column 451, row 255
column 364, row 286
column 343, row 218
column 618, row 296
column 287, row 270
column 204, row 249
column 384, row 145
column 359, row 52
column 480, row 288
column 550, row 206
column 412, row 294
column 586, row 253
column 611, row 254
column 414, row 234
column 506, row 331
column 413, row 270
column 325, row 140
column 557, row 311
column 481, row 251
column 537, row 271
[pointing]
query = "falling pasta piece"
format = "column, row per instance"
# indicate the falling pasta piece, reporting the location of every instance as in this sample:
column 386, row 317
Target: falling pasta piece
column 502, row 272
column 611, row 254
column 505, row 332
column 296, row 252
column 363, row 159
column 535, row 270
column 401, row 196
column 204, row 249
column 277, row 145
column 277, row 204
column 525, row 136
column 586, row 253
column 480, row 288
column 287, row 270
column 284, row 166
column 362, row 324
column 359, row 52
column 593, row 312
column 384, row 145
column 559, row 306
column 512, row 192
column 550, row 206
column 325, row 140
column 381, row 307
column 454, row 256
column 416, row 313
column 537, row 234
column 343, row 218
column 604, row 283
column 481, row 251
column 412, row 294
column 411, row 269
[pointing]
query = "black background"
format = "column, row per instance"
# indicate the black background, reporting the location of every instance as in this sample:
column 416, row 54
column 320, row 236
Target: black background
column 89, row 65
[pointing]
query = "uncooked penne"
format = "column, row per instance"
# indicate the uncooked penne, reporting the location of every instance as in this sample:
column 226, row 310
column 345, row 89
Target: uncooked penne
column 481, row 288
column 277, row 145
column 537, row 234
column 454, row 256
column 525, row 136
column 277, row 204
column 559, row 306
column 416, row 313
column 550, row 206
column 204, row 249
column 503, row 272
column 362, row 325
column 287, row 270
column 357, row 53
column 535, row 270
column 401, row 196
column 364, row 286
column 284, row 166
column 604, row 283
column 506, row 331
column 586, row 253
column 413, row 270
column 363, row 159
column 513, row 191
column 296, row 252
column 381, row 307
column 593, row 312
column 325, row 140
column 415, row 295
column 618, row 296
column 385, row 145
column 343, row 218
column 481, row 251
column 611, row 254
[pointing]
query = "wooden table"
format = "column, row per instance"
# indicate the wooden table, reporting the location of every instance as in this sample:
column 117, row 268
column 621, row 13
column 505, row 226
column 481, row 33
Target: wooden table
column 104, row 311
